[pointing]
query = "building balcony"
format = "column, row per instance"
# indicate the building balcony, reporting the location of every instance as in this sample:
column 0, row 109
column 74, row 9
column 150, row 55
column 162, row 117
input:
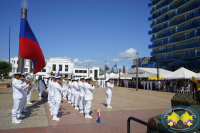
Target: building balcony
column 176, row 57
column 174, row 23
column 176, row 48
column 196, row 24
column 178, row 12
column 167, row 2
column 175, row 40
column 153, row 3
column 168, row 9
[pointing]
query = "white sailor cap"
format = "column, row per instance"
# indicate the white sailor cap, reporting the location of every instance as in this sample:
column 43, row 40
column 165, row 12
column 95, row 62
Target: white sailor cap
column 17, row 73
column 76, row 79
column 82, row 78
column 28, row 79
column 87, row 78
column 57, row 77
column 23, row 74
column 107, row 79
column 69, row 78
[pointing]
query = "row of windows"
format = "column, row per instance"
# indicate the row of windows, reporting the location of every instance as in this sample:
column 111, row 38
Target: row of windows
column 60, row 67
column 82, row 71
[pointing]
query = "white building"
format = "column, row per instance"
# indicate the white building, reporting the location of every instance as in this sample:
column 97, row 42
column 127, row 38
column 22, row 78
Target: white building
column 63, row 64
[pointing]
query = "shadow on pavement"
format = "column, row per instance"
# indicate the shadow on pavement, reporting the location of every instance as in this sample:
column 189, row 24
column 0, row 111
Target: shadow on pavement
column 104, row 104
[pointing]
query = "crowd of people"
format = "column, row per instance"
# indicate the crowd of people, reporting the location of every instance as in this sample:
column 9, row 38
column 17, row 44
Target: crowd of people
column 77, row 91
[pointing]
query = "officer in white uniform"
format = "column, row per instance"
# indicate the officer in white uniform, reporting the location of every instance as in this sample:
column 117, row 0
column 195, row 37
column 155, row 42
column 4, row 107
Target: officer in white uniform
column 51, row 94
column 76, row 93
column 99, row 83
column 109, row 85
column 81, row 91
column 41, row 87
column 57, row 98
column 65, row 86
column 69, row 90
column 103, row 83
column 29, row 95
column 72, row 92
column 88, row 96
column 17, row 96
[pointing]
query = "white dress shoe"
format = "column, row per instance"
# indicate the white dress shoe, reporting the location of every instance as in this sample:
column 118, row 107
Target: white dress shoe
column 19, row 120
column 40, row 98
column 109, row 107
column 72, row 105
column 29, row 103
column 76, row 108
column 16, row 122
column 81, row 112
column 89, row 116
column 55, row 118
column 86, row 117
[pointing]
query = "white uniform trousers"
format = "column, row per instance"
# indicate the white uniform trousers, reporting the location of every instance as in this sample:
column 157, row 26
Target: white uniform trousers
column 72, row 98
column 64, row 93
column 151, row 86
column 52, row 104
column 41, row 91
column 22, row 104
column 144, row 86
column 147, row 86
column 88, row 104
column 99, row 85
column 69, row 96
column 103, row 85
column 15, row 109
column 56, row 107
column 48, row 98
column 81, row 103
column 76, row 100
column 29, row 97
column 108, row 98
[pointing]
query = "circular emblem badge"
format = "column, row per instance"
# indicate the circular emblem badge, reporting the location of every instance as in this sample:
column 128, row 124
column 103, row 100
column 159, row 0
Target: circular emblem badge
column 180, row 119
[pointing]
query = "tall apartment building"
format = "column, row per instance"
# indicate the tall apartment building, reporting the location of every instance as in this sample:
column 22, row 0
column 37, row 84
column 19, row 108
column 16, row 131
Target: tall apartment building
column 175, row 34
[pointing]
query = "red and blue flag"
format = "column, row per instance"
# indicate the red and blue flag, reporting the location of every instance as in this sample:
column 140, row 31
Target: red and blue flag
column 29, row 46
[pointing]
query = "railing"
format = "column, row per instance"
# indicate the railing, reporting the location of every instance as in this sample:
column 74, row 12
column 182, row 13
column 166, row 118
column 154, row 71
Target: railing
column 175, row 40
column 153, row 3
column 181, row 47
column 167, row 2
column 146, row 124
column 168, row 9
column 176, row 30
column 166, row 25
column 176, row 57
column 194, row 5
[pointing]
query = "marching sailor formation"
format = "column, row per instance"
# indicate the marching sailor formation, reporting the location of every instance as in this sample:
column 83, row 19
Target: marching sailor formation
column 57, row 89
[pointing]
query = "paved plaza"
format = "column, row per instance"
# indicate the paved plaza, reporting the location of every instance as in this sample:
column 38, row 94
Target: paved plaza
column 126, row 102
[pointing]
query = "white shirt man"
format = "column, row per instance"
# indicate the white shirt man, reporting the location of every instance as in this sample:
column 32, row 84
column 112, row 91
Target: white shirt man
column 88, row 96
column 17, row 96
column 103, row 83
column 144, row 84
column 69, row 90
column 65, row 87
column 109, row 85
column 76, row 94
column 82, row 93
column 41, row 87
column 147, row 84
column 57, row 98
column 99, row 83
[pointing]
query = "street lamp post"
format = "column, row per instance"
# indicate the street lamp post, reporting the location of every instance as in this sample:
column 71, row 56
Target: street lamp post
column 137, row 73
column 23, row 15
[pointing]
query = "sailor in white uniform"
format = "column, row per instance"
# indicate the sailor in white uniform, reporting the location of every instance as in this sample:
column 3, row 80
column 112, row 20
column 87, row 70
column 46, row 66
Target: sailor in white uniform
column 29, row 95
column 151, row 84
column 76, row 93
column 51, row 94
column 41, row 87
column 65, row 86
column 144, row 84
column 103, row 83
column 69, row 90
column 57, row 98
column 147, row 84
column 17, row 96
column 109, row 85
column 88, row 96
column 81, row 91
column 99, row 83
column 72, row 92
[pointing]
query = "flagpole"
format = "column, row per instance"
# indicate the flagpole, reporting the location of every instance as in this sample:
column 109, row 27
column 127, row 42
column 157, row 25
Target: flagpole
column 9, row 45
column 23, row 15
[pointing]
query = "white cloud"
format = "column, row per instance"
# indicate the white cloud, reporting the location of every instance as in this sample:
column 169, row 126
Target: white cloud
column 3, row 58
column 129, row 54
column 97, row 57
column 85, row 63
column 115, row 60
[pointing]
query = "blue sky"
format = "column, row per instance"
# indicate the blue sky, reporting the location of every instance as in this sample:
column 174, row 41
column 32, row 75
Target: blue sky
column 87, row 31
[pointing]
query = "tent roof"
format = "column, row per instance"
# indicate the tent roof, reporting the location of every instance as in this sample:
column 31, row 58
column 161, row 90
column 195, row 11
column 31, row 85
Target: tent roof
column 181, row 73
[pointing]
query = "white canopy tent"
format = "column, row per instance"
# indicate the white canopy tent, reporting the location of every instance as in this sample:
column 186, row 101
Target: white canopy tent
column 145, row 72
column 197, row 76
column 181, row 73
column 102, row 76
